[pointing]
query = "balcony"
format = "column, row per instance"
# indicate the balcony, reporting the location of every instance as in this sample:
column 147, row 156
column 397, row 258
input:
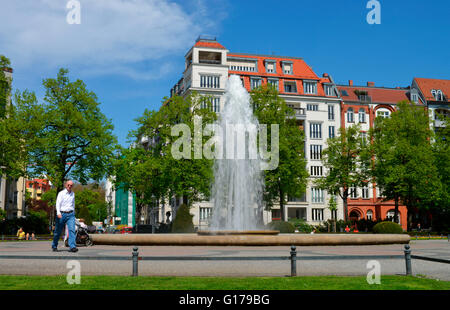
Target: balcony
column 300, row 113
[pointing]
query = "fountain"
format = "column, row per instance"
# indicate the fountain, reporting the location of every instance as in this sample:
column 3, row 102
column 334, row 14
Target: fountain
column 238, row 180
column 237, row 191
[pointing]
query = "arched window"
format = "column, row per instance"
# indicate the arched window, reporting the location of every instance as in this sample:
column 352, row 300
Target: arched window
column 362, row 115
column 369, row 215
column 350, row 117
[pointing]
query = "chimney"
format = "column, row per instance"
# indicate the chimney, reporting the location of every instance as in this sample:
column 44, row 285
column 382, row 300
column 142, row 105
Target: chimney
column 350, row 82
column 370, row 84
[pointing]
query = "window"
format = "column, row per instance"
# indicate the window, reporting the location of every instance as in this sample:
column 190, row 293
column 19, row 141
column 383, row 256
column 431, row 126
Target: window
column 331, row 133
column 437, row 94
column 290, row 87
column 353, row 192
column 270, row 66
column 328, row 90
column 316, row 171
column 317, row 215
column 310, row 87
column 362, row 115
column 273, row 82
column 316, row 195
column 312, row 107
column 350, row 118
column 331, row 112
column 287, row 67
column 205, row 213
column 315, row 151
column 383, row 113
column 315, row 130
column 344, row 93
column 214, row 104
column 365, row 192
column 210, row 81
column 363, row 136
column 369, row 215
column 414, row 97
column 255, row 83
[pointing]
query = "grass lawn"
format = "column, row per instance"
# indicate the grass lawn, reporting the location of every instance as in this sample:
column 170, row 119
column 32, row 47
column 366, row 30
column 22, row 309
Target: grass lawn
column 8, row 282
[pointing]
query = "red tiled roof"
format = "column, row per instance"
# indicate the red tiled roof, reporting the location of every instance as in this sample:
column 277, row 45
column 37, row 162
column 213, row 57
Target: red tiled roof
column 301, row 71
column 426, row 85
column 377, row 94
column 209, row 44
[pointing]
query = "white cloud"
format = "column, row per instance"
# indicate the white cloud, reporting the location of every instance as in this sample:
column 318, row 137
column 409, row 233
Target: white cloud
column 114, row 36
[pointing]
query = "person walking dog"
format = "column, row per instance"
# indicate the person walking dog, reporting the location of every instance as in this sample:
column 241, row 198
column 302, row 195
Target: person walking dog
column 65, row 212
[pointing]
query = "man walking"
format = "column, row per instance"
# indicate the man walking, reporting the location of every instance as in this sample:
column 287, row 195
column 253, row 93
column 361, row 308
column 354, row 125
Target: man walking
column 65, row 212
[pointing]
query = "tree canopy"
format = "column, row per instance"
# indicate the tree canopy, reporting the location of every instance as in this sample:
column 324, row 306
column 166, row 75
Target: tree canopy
column 66, row 135
column 290, row 176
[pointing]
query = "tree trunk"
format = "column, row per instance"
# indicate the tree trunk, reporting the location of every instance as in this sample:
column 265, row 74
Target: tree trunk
column 396, row 220
column 345, row 209
column 281, row 204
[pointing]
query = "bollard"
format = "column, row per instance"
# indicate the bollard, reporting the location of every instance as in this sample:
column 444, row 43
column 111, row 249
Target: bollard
column 135, row 261
column 408, row 260
column 448, row 237
column 293, row 261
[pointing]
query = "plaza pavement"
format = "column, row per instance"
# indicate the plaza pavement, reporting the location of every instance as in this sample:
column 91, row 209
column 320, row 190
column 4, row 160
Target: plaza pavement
column 430, row 248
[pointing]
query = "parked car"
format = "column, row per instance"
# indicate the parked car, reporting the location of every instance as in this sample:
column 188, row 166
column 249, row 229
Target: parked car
column 126, row 230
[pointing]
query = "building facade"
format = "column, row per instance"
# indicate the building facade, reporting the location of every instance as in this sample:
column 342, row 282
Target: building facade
column 361, row 105
column 314, row 99
column 37, row 187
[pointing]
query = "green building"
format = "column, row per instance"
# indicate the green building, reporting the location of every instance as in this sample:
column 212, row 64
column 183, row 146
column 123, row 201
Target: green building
column 125, row 208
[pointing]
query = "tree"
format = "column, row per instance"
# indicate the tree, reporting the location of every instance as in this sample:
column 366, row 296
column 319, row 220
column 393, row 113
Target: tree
column 289, row 179
column 67, row 136
column 150, row 170
column 347, row 162
column 404, row 167
column 12, row 150
column 440, row 207
column 183, row 221
column 332, row 206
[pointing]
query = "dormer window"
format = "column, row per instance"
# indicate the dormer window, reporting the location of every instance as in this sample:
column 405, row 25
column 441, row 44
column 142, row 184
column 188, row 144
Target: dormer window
column 328, row 90
column 290, row 87
column 270, row 66
column 437, row 94
column 310, row 87
column 287, row 67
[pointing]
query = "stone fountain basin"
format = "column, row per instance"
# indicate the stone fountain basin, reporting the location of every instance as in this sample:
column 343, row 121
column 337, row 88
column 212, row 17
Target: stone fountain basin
column 249, row 240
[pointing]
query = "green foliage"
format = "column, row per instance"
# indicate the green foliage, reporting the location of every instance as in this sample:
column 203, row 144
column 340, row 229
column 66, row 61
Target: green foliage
column 282, row 226
column 183, row 220
column 301, row 225
column 347, row 159
column 290, row 176
column 387, row 228
column 2, row 215
column 67, row 136
column 36, row 222
column 84, row 214
column 150, row 170
column 93, row 201
column 404, row 167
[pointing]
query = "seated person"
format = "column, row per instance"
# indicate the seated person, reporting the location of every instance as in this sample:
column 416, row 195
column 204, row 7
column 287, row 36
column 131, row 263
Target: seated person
column 20, row 234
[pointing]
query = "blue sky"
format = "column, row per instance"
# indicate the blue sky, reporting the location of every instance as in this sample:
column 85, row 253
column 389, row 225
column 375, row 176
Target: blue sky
column 131, row 52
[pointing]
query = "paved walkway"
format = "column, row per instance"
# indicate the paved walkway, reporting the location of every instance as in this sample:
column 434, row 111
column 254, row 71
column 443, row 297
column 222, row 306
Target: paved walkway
column 430, row 248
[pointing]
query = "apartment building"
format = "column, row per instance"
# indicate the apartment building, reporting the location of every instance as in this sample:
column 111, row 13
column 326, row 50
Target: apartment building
column 361, row 105
column 37, row 187
column 434, row 94
column 315, row 100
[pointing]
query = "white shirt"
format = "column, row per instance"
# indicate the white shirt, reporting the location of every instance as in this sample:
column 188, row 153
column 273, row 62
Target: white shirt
column 65, row 201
